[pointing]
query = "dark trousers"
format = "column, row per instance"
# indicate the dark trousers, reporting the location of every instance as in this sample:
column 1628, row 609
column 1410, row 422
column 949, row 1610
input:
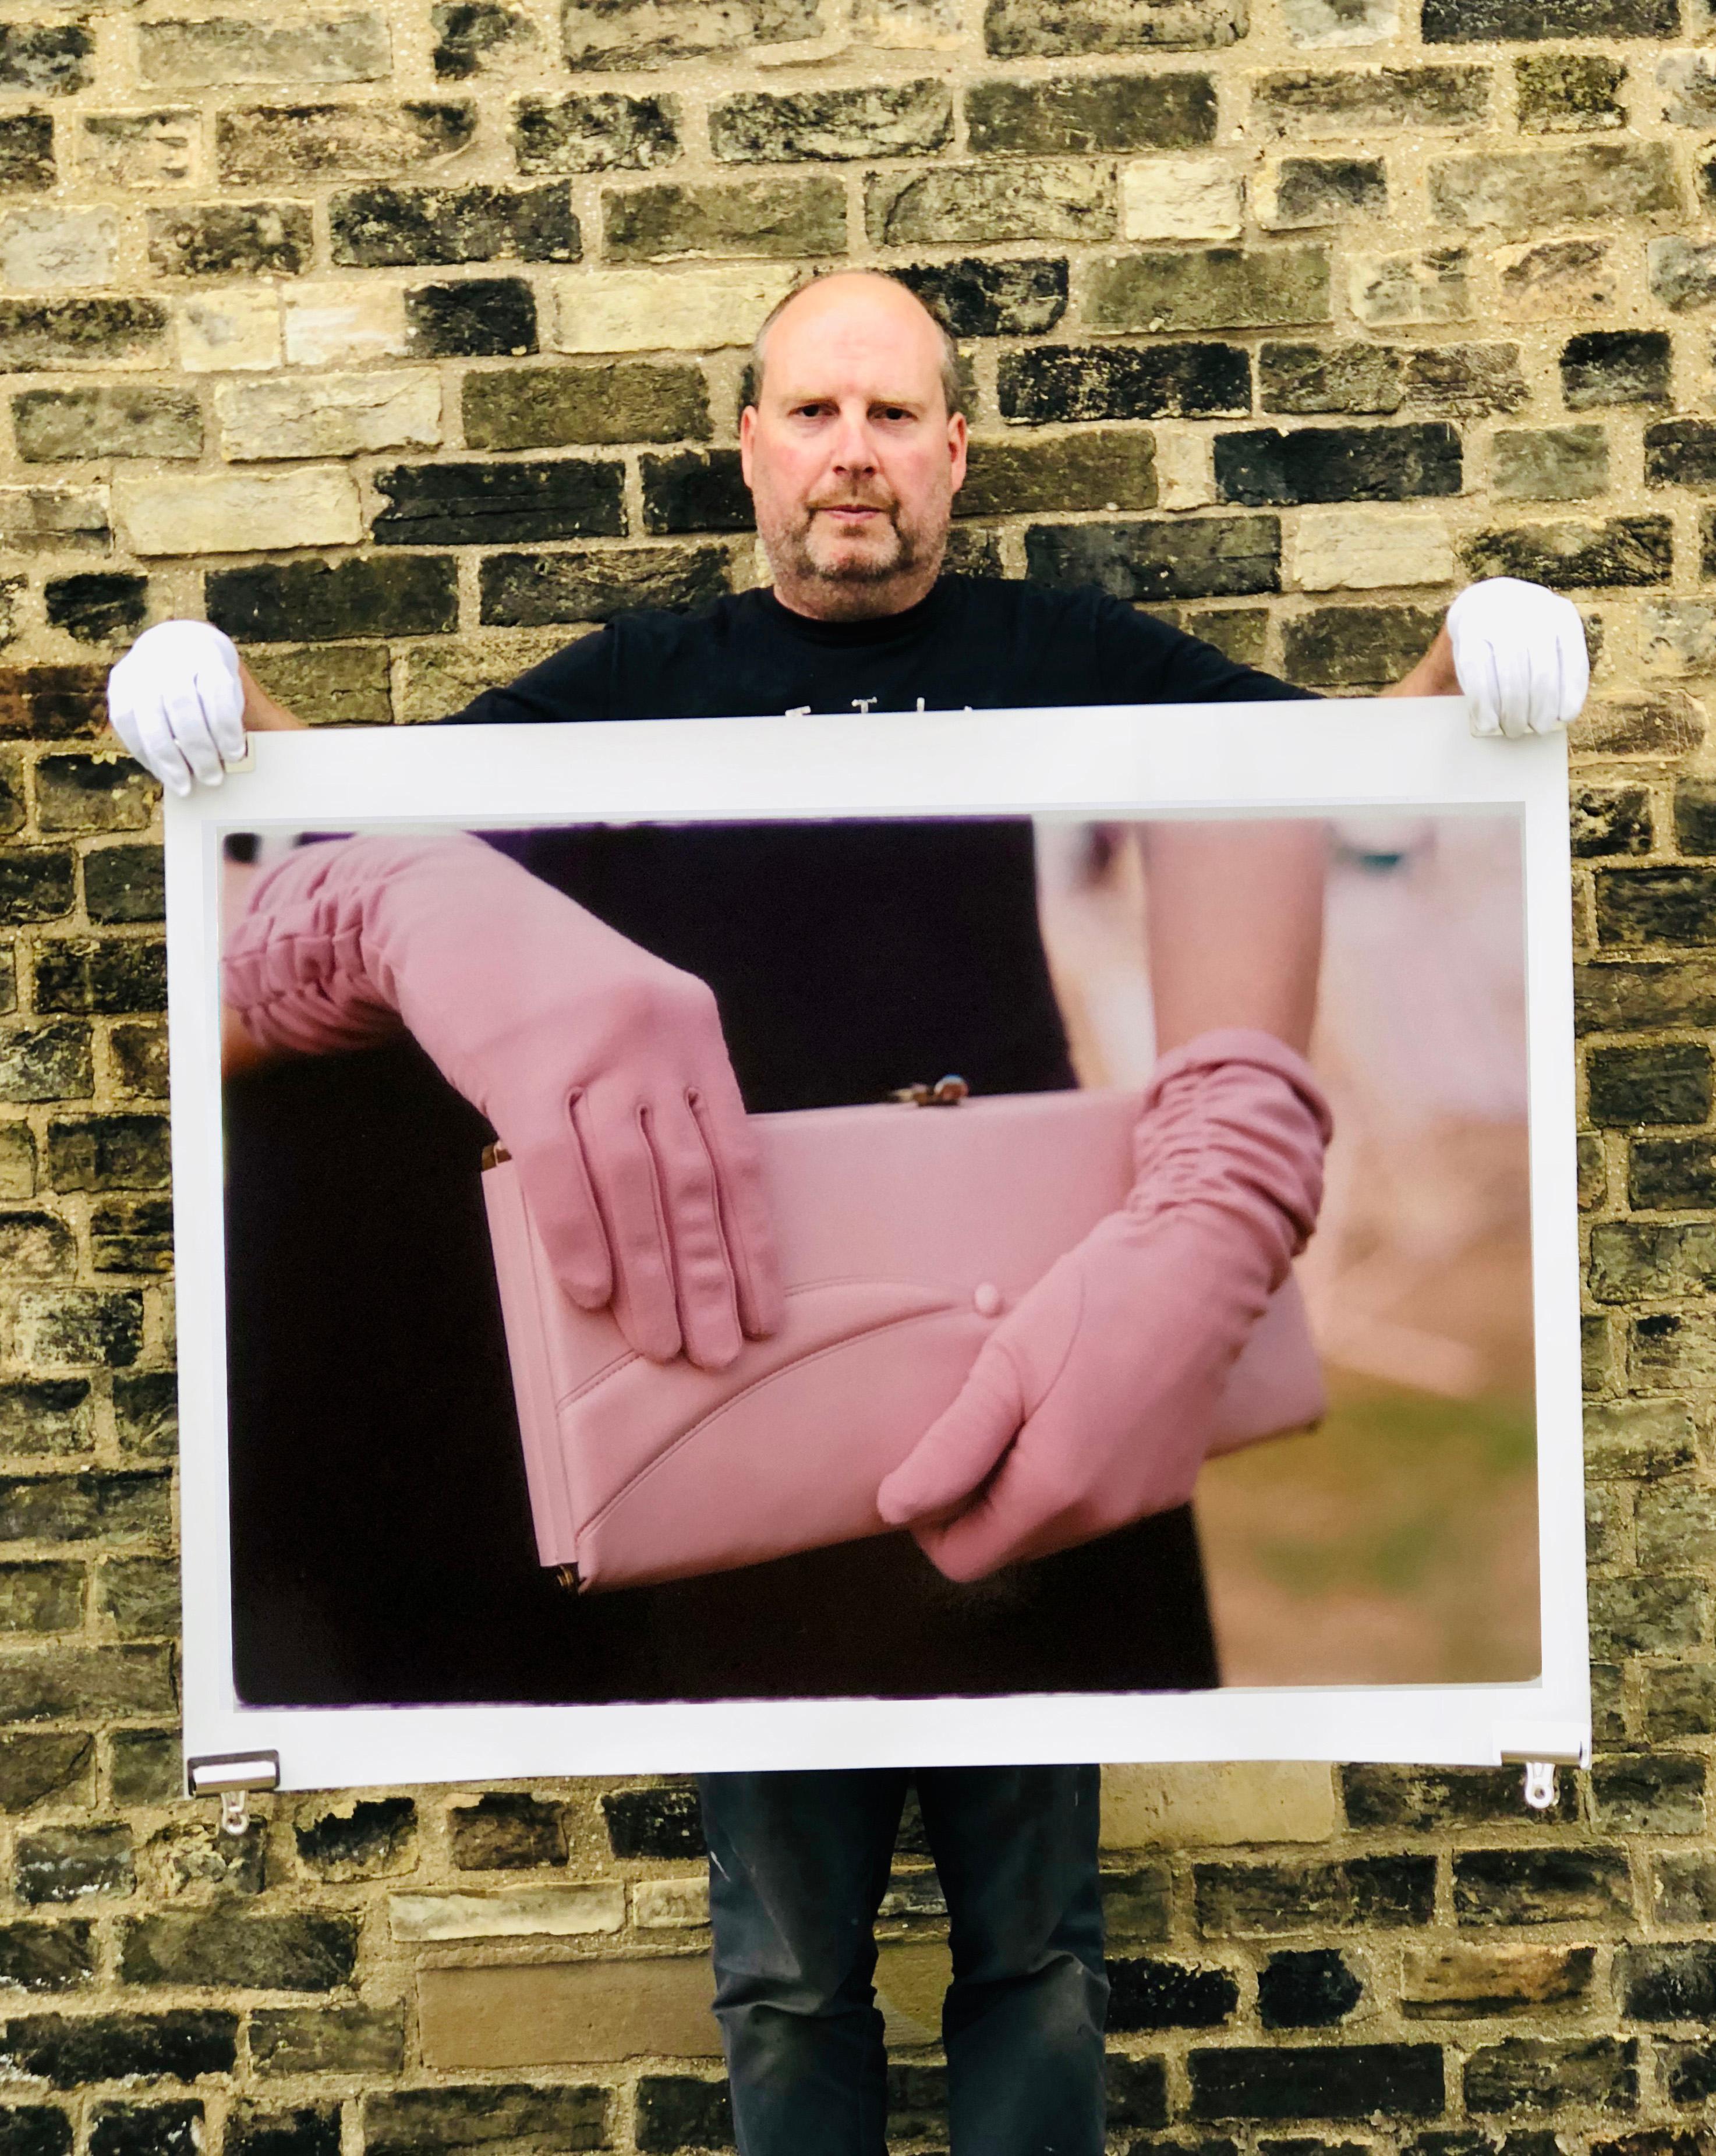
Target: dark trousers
column 797, row 1866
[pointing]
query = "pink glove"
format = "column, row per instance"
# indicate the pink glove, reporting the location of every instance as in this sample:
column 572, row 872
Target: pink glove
column 1093, row 1401
column 602, row 1069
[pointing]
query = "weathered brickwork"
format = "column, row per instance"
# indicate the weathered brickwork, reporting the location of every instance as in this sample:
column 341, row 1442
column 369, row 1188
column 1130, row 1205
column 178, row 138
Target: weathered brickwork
column 401, row 338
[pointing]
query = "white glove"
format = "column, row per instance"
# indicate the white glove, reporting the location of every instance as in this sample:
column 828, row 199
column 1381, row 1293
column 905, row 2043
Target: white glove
column 177, row 702
column 1519, row 653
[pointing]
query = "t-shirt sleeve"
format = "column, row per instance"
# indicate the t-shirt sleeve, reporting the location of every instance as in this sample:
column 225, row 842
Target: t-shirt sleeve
column 1146, row 661
column 576, row 683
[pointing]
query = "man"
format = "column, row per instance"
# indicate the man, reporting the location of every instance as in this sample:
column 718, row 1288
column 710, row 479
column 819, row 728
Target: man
column 853, row 447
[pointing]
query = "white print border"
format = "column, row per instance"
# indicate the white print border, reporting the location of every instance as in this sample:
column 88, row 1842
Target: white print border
column 1108, row 763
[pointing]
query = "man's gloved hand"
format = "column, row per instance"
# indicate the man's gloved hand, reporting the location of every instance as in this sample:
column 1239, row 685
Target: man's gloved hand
column 602, row 1068
column 178, row 703
column 1519, row 653
column 1093, row 1401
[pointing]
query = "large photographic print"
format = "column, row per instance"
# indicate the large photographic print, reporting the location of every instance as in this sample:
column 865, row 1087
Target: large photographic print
column 447, row 1499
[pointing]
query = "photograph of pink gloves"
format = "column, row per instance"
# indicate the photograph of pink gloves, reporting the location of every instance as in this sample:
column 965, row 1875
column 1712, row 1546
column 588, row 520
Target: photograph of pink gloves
column 604, row 1073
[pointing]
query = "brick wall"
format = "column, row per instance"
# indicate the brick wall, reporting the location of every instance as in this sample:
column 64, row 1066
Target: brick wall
column 403, row 341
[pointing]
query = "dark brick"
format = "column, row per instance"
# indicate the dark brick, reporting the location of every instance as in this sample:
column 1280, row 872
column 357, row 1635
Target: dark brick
column 1619, row 550
column 146, row 1411
column 1144, row 1993
column 201, row 1860
column 102, row 607
column 1652, row 1613
column 299, row 602
column 1241, row 633
column 1091, row 113
column 523, row 590
column 1205, row 558
column 55, row 58
column 37, row 333
column 231, row 240
column 1212, row 287
column 311, row 2130
column 1707, row 544
column 37, row 885
column 1634, row 1259
column 1695, row 816
column 1680, row 1701
column 34, row 2130
column 1136, row 1905
column 1252, row 1900
column 1681, row 453
column 93, row 1683
column 1026, row 29
column 1308, row 1990
column 675, row 2111
column 67, row 1863
column 1539, row 2073
column 1666, row 1083
column 477, row 318
column 83, row 1507
column 125, row 884
column 327, row 2040
column 68, row 2053
column 1337, row 463
column 50, row 1062
column 1559, row 92
column 41, row 1598
column 46, row 1415
column 71, row 1326
column 1601, row 367
column 1353, row 101
column 271, row 144
column 1466, row 381
column 469, row 32
column 416, row 2122
column 1311, row 191
column 53, row 703
column 1343, row 377
column 1668, row 724
column 93, row 793
column 154, row 2129
column 261, row 1953
column 1489, row 22
column 1346, row 647
column 1050, row 383
column 1639, row 1793
column 1654, row 2141
column 1543, row 1886
column 102, row 975
column 365, row 1839
column 598, row 132
column 46, row 1957
column 636, row 33
column 107, row 1153
column 1099, row 469
column 621, row 400
column 37, row 1765
column 139, row 1058
column 147, row 1769
column 504, row 1832
column 26, row 152
column 453, row 504
column 1689, row 2071
column 1666, row 906
column 1138, row 2096
column 36, row 1246
column 383, row 227
column 661, row 1822
column 694, row 491
column 141, row 1595
column 888, row 120
column 916, row 2101
column 976, row 298
column 1340, row 2081
column 1616, row 819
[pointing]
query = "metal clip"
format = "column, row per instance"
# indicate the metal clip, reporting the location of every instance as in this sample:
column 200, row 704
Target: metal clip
column 231, row 1776
column 234, row 1810
column 566, row 1577
column 1540, row 1791
column 946, row 1093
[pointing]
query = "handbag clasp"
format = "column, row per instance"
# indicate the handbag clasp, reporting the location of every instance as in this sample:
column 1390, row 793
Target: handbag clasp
column 946, row 1093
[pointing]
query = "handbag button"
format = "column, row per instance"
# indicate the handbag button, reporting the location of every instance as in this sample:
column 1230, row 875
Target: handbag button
column 988, row 1299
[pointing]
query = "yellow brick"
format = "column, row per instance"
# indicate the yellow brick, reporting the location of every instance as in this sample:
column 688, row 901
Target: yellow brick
column 231, row 513
column 568, row 2013
column 591, row 1904
column 342, row 322
column 1216, row 1805
column 1363, row 550
column 228, row 332
column 651, row 310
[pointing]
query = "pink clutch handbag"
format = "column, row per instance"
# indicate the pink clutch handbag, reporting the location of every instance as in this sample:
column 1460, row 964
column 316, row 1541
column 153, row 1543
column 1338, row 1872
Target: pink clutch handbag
column 904, row 1235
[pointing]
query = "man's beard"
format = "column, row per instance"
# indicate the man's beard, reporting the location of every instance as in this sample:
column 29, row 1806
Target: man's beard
column 797, row 552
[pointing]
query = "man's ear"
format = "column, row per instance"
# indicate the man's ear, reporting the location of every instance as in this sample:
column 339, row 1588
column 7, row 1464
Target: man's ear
column 748, row 435
column 959, row 436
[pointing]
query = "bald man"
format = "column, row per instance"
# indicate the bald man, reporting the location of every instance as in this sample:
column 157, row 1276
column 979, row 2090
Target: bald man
column 848, row 960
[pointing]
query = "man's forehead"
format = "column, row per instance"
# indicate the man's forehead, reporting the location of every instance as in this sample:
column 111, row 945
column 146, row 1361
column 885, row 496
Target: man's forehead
column 864, row 326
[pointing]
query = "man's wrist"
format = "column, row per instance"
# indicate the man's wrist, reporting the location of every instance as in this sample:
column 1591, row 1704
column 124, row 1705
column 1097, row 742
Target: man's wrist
column 1433, row 675
column 262, row 715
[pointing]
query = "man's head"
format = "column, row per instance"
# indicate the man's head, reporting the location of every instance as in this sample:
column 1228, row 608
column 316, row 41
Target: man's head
column 852, row 446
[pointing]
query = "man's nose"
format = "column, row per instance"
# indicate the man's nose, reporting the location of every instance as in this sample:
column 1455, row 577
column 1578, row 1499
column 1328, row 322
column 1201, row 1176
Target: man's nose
column 854, row 450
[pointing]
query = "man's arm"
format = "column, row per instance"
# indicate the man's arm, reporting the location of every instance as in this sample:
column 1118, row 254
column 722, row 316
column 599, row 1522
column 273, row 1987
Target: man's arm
column 182, row 700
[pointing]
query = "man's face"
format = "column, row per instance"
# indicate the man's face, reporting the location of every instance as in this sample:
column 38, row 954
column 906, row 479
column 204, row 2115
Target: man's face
column 849, row 452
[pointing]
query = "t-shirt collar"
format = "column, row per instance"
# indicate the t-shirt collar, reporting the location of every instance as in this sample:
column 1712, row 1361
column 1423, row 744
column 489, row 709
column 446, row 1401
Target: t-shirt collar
column 849, row 635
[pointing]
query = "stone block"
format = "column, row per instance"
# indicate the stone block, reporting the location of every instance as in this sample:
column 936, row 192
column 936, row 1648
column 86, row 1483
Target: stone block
column 1268, row 465
column 445, row 676
column 230, row 239
column 91, row 1683
column 1616, row 551
column 1667, row 725
column 677, row 1905
column 1516, row 191
column 1611, row 820
column 332, row 415
column 344, row 324
column 227, row 513
column 306, row 2130
column 44, row 1958
column 477, row 37
column 1552, row 277
column 83, row 1507
column 696, row 310
column 1343, row 647
column 1683, row 272
column 1634, row 1259
column 473, row 318
column 677, row 2111
column 1049, row 383
column 55, row 60
column 1680, row 1701
column 1568, row 93
column 567, row 1911
column 1667, row 1082
column 1681, row 453
column 1661, row 1793
column 594, row 131
column 528, row 591
column 345, row 684
column 1260, row 1901
column 42, row 520
column 1367, row 550
column 567, row 2012
column 1314, row 1989
column 534, row 2119
column 1543, row 1886
column 1489, row 22
column 37, row 1246
column 664, row 1821
column 976, row 298
column 36, row 885
column 360, row 1838
column 1550, row 464
column 1214, row 288
column 366, row 2040
column 1464, row 381
column 1423, row 286
column 1655, row 1616
column 132, row 150
column 1145, row 1993
column 1107, row 469
column 71, row 1863
column 1181, row 198
column 550, row 407
column 1544, row 2073
column 147, row 2129
column 966, row 205
column 392, row 227
column 42, row 250
column 1678, row 636
column 1065, row 29
column 505, row 1831
column 694, row 491
column 146, row 1769
column 1301, row 193
column 1661, row 906
column 1328, row 2082
column 36, row 1765
column 1671, row 1172
column 49, row 1062
column 1359, row 101
column 1456, row 1983
column 307, row 1952
column 1672, row 1982
column 651, row 33
column 769, row 218
column 124, row 884
column 141, row 1594
column 68, row 1327
column 464, row 503
column 27, row 165
column 201, row 54
column 1334, row 22
column 102, row 607
column 287, row 601
column 137, row 1058
column 888, row 120
column 273, row 144
column 1146, row 561
column 1079, row 116
column 69, row 2051
column 18, row 1178
column 1341, row 377
column 53, row 426
column 229, row 332
column 1183, row 476
column 40, row 1598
